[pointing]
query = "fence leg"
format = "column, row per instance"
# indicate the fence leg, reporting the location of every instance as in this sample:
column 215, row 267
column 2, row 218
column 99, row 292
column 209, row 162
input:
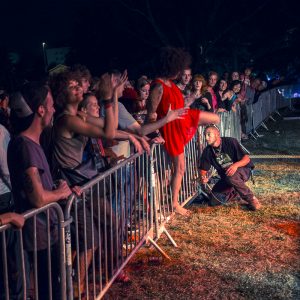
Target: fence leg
column 264, row 126
column 278, row 113
column 257, row 134
column 272, row 118
column 253, row 135
column 245, row 149
column 170, row 237
column 69, row 261
column 161, row 251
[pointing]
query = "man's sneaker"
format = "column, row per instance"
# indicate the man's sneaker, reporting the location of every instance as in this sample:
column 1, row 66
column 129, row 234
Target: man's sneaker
column 254, row 204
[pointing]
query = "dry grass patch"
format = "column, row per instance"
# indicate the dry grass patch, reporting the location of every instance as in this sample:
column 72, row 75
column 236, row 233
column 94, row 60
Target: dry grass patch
column 228, row 252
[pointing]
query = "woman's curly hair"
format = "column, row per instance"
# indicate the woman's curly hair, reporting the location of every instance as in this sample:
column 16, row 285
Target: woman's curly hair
column 171, row 61
column 59, row 87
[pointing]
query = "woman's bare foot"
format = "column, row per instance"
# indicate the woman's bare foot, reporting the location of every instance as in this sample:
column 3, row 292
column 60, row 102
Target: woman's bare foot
column 182, row 211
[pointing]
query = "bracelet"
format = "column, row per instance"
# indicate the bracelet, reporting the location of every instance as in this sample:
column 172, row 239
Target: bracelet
column 108, row 105
column 153, row 135
column 108, row 101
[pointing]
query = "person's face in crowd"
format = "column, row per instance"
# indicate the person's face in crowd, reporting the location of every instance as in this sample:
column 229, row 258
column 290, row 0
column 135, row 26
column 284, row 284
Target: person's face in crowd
column 92, row 107
column 212, row 136
column 236, row 88
column 235, row 76
column 247, row 72
column 256, row 83
column 223, row 85
column 75, row 91
column 186, row 76
column 49, row 110
column 262, row 86
column 85, row 84
column 144, row 92
column 212, row 80
column 198, row 85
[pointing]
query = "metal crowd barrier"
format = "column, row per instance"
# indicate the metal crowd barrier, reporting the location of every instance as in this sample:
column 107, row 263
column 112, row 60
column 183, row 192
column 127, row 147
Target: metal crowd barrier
column 111, row 220
column 230, row 124
column 29, row 270
column 162, row 169
column 119, row 211
column 268, row 103
column 161, row 185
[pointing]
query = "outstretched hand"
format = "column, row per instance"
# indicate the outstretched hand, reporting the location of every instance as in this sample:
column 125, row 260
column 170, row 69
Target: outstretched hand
column 176, row 114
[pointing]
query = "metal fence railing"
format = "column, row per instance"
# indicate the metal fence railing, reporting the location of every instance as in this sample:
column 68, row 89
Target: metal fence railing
column 33, row 257
column 119, row 211
column 111, row 220
column 268, row 103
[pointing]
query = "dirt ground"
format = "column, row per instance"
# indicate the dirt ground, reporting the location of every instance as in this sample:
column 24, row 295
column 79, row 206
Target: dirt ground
column 228, row 252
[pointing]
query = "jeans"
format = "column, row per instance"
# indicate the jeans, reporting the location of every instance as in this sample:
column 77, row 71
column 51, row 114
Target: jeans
column 227, row 186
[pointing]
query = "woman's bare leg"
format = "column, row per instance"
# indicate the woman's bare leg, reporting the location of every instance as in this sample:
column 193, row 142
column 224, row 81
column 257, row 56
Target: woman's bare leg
column 208, row 118
column 178, row 163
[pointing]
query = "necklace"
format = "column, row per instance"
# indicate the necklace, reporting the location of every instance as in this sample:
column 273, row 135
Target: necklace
column 217, row 150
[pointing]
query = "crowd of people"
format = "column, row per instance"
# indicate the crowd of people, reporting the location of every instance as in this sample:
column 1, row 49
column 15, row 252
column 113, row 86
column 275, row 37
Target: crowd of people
column 52, row 128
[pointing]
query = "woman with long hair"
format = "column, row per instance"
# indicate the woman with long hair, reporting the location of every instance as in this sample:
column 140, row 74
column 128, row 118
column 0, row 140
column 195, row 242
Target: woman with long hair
column 201, row 95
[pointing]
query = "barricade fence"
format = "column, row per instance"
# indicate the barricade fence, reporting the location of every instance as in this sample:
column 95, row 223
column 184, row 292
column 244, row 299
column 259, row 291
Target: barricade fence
column 268, row 103
column 111, row 221
column 32, row 262
column 118, row 212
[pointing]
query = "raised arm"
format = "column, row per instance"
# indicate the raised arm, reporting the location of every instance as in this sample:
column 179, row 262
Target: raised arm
column 150, row 127
column 92, row 126
column 155, row 96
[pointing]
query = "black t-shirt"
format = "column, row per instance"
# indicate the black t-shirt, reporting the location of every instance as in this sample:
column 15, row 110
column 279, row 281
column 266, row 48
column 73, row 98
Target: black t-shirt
column 221, row 158
column 197, row 104
column 24, row 153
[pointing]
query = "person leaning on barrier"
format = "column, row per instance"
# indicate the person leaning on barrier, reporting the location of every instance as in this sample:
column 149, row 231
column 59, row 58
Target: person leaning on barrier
column 7, row 216
column 16, row 290
column 32, row 185
column 232, row 164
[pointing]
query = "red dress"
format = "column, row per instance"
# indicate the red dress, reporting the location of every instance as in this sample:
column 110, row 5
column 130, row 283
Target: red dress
column 178, row 132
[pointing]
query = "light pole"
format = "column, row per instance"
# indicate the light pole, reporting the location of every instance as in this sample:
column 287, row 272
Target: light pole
column 45, row 57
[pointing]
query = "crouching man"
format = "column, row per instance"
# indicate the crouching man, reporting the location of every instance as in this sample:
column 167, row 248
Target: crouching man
column 233, row 166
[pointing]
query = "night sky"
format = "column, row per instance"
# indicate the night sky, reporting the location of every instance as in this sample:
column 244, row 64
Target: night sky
column 123, row 33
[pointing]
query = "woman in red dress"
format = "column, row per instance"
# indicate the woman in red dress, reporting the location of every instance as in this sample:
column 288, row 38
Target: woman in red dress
column 165, row 94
